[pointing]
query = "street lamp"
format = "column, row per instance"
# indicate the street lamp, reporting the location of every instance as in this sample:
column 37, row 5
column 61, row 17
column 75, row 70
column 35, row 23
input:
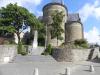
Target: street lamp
column 48, row 21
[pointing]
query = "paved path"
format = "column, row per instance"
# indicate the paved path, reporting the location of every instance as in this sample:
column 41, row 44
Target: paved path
column 84, row 69
column 24, row 65
column 45, row 68
column 46, row 65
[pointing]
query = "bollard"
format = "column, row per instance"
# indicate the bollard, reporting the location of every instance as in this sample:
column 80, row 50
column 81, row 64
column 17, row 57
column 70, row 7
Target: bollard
column 67, row 72
column 36, row 72
column 91, row 68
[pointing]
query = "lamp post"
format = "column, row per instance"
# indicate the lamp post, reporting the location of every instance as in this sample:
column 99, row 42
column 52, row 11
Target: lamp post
column 46, row 37
column 48, row 21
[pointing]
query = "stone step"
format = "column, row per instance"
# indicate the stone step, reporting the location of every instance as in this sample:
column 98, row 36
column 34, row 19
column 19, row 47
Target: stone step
column 36, row 51
column 33, row 58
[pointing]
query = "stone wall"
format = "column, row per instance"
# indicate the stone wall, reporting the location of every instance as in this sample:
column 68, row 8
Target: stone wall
column 7, row 52
column 63, row 54
column 85, row 54
column 80, row 54
column 76, row 54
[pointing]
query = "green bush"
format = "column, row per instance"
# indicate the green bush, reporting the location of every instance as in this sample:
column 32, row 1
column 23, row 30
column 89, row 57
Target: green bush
column 84, row 45
column 22, row 49
column 45, row 53
column 23, row 53
column 19, row 48
column 48, row 50
column 12, row 42
column 81, row 43
column 6, row 42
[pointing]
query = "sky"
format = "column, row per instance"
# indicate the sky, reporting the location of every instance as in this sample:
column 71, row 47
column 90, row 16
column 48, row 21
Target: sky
column 89, row 11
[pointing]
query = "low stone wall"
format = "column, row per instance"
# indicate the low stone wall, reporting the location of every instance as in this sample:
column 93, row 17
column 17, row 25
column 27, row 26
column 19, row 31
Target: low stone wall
column 80, row 54
column 85, row 54
column 7, row 52
column 63, row 54
column 76, row 54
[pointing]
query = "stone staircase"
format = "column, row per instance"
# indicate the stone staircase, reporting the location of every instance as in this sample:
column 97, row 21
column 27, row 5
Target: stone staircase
column 33, row 58
column 36, row 51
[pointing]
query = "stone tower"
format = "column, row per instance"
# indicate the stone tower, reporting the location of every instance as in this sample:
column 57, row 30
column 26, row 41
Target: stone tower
column 47, row 12
column 74, row 28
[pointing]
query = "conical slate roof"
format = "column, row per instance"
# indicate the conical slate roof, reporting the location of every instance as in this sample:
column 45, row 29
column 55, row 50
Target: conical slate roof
column 73, row 17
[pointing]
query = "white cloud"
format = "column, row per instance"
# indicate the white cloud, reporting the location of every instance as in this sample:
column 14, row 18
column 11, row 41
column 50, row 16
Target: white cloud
column 39, row 13
column 20, row 2
column 29, row 4
column 90, row 10
column 92, row 35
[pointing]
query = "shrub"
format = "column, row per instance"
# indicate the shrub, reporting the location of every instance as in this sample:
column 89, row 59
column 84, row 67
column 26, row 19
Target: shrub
column 6, row 42
column 12, row 42
column 81, row 43
column 23, row 53
column 84, row 45
column 19, row 48
column 22, row 49
column 45, row 53
column 48, row 50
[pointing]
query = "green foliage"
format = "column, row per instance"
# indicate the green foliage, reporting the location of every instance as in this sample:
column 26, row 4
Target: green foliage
column 56, row 29
column 41, row 36
column 84, row 45
column 23, row 53
column 8, row 42
column 19, row 48
column 23, row 50
column 8, row 28
column 12, row 17
column 45, row 53
column 41, row 41
column 81, row 43
column 48, row 50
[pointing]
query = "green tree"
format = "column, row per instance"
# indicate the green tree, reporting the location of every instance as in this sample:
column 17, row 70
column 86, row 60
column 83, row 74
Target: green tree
column 41, row 36
column 57, row 30
column 12, row 17
column 15, row 19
